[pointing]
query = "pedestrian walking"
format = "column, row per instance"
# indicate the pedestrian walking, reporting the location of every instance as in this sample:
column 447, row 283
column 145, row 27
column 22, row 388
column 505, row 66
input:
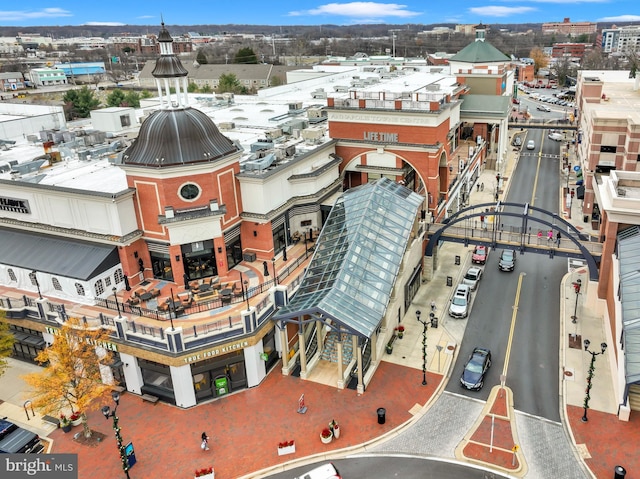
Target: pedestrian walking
column 550, row 235
column 558, row 237
column 539, row 236
column 496, row 197
column 205, row 442
column 478, row 187
column 433, row 306
column 481, row 186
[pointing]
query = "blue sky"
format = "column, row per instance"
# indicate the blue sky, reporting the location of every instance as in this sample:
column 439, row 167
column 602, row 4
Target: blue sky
column 315, row 12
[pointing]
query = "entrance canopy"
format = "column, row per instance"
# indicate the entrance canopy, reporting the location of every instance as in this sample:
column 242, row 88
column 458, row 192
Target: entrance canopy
column 63, row 257
column 357, row 258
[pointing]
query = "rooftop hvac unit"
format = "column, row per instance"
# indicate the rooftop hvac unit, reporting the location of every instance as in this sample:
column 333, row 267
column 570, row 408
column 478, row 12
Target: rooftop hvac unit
column 226, row 125
column 295, row 106
column 314, row 112
column 261, row 145
column 274, row 133
column 312, row 134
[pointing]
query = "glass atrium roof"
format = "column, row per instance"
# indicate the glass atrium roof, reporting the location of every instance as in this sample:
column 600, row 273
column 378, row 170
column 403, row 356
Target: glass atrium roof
column 629, row 255
column 357, row 258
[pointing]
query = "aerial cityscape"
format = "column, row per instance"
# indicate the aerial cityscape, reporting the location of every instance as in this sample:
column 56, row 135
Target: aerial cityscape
column 393, row 246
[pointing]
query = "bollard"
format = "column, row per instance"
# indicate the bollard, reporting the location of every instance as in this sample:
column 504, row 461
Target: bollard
column 382, row 415
column 457, row 259
column 619, row 472
column 449, row 280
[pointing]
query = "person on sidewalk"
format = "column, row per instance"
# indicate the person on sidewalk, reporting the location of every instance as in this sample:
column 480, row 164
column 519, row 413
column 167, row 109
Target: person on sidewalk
column 433, row 306
column 205, row 442
column 481, row 186
column 550, row 235
column 558, row 238
column 539, row 236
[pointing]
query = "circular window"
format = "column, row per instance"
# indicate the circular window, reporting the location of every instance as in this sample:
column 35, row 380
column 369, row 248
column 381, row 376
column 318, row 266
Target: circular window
column 190, row 191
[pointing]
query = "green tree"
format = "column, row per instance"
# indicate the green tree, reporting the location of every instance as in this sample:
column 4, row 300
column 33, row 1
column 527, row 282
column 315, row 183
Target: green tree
column 245, row 55
column 276, row 81
column 206, row 89
column 192, row 87
column 115, row 98
column 201, row 58
column 228, row 82
column 81, row 102
column 6, row 343
column 132, row 99
column 146, row 94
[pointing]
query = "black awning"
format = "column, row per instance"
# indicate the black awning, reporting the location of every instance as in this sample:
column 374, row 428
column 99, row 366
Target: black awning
column 58, row 256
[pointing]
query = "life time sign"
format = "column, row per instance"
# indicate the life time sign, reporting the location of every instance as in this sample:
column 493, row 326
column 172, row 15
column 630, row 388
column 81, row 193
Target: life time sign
column 51, row 466
column 381, row 136
column 217, row 351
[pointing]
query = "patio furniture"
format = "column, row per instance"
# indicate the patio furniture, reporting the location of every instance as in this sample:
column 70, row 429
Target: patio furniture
column 204, row 287
column 146, row 296
column 139, row 292
column 155, row 292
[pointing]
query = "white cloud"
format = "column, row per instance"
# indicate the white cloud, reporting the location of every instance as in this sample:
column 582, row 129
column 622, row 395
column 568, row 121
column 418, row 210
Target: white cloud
column 620, row 18
column 498, row 11
column 108, row 24
column 18, row 15
column 361, row 10
column 567, row 1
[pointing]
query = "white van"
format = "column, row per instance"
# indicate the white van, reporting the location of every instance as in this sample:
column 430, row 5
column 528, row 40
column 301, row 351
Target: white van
column 326, row 471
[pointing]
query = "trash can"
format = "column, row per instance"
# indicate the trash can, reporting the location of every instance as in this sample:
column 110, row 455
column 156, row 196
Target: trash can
column 457, row 259
column 619, row 472
column 382, row 415
column 585, row 218
column 449, row 280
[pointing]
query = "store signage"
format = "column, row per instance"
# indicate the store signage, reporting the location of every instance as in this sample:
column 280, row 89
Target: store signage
column 14, row 205
column 103, row 344
column 217, row 351
column 381, row 136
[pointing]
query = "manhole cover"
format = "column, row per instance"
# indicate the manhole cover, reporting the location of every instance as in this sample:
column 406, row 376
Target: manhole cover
column 451, row 348
column 568, row 373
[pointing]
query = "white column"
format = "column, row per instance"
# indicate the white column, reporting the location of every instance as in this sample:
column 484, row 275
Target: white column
column 255, row 366
column 340, row 365
column 303, row 354
column 183, row 389
column 132, row 373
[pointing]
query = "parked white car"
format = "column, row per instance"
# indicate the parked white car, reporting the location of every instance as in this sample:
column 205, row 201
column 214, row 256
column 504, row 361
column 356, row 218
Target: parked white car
column 531, row 145
column 472, row 277
column 555, row 136
column 459, row 307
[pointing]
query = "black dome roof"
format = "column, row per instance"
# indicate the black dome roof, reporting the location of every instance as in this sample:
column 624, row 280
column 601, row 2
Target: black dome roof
column 177, row 137
column 169, row 66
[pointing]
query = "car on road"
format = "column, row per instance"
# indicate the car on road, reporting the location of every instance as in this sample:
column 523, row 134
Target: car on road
column 326, row 471
column 475, row 369
column 556, row 136
column 16, row 440
column 459, row 307
column 531, row 145
column 515, row 101
column 507, row 260
column 517, row 141
column 543, row 108
column 479, row 255
column 472, row 277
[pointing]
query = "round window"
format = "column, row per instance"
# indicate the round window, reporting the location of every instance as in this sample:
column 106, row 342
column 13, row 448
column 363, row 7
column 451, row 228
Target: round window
column 190, row 191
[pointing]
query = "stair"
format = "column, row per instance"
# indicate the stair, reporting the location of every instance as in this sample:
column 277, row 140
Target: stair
column 330, row 351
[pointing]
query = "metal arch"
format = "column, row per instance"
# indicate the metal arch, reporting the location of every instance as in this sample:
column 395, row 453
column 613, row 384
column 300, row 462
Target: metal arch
column 458, row 217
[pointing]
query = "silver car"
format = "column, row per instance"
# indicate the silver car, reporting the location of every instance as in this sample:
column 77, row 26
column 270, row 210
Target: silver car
column 459, row 307
column 472, row 277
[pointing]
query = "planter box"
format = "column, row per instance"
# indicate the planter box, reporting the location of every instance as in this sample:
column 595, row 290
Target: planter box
column 207, row 476
column 286, row 450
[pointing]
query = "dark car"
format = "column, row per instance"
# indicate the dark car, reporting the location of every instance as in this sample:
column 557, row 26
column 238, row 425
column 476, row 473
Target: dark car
column 475, row 368
column 507, row 260
column 16, row 440
column 479, row 255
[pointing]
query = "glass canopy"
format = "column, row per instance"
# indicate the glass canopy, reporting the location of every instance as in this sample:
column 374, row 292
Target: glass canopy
column 357, row 258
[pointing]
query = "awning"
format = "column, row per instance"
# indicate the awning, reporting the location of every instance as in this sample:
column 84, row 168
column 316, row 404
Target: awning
column 57, row 256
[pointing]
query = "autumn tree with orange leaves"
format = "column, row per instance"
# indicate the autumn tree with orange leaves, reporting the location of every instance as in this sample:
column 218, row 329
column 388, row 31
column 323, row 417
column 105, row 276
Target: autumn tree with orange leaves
column 6, row 343
column 71, row 381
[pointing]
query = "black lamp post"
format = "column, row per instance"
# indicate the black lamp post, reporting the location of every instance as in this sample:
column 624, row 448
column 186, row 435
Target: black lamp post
column 107, row 412
column 592, row 367
column 275, row 274
column 246, row 293
column 35, row 280
column 424, row 347
column 115, row 296
column 576, row 286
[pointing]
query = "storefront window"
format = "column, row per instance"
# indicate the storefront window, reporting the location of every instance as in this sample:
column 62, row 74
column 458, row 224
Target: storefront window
column 279, row 242
column 157, row 380
column 234, row 253
column 200, row 264
column 218, row 377
column 161, row 266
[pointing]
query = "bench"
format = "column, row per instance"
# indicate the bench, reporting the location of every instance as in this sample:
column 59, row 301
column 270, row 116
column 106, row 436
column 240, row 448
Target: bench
column 118, row 389
column 54, row 421
column 150, row 398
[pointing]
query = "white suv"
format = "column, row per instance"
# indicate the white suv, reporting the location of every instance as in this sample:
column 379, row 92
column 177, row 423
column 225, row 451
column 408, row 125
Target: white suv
column 459, row 307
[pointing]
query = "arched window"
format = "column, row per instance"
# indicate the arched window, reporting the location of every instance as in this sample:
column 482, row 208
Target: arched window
column 12, row 275
column 118, row 276
column 107, row 281
column 56, row 284
column 99, row 287
column 79, row 289
column 33, row 278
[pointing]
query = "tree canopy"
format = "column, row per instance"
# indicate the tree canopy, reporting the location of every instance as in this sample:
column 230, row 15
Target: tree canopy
column 81, row 101
column 228, row 82
column 6, row 344
column 72, row 379
column 246, row 55
column 539, row 59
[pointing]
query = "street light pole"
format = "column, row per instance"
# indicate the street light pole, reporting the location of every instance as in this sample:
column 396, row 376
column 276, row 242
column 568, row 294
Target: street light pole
column 115, row 296
column 275, row 274
column 35, row 279
column 592, row 367
column 246, row 293
column 106, row 411
column 576, row 286
column 424, row 347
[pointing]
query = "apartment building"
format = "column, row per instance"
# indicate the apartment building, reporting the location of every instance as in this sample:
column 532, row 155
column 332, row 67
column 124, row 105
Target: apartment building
column 621, row 39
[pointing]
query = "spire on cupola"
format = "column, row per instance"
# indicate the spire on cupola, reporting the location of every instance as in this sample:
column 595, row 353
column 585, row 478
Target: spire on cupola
column 169, row 73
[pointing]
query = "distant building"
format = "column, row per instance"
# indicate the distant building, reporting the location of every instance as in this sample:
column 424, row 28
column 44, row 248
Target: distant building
column 570, row 50
column 568, row 27
column 48, row 76
column 621, row 40
column 12, row 81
